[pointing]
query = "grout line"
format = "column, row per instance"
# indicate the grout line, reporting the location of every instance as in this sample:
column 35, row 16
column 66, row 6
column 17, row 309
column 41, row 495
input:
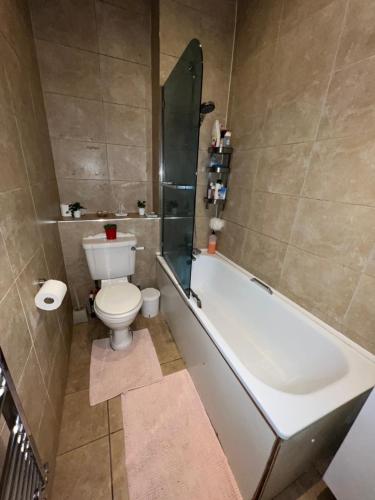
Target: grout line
column 97, row 100
column 171, row 361
column 110, row 450
column 98, row 53
column 81, row 446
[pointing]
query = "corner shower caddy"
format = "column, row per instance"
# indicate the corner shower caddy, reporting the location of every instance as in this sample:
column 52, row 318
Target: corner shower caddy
column 218, row 169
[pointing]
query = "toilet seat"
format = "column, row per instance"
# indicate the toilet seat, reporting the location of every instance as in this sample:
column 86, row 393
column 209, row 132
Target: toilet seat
column 118, row 299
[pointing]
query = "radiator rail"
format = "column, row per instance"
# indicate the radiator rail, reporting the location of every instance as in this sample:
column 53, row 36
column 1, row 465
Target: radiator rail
column 22, row 477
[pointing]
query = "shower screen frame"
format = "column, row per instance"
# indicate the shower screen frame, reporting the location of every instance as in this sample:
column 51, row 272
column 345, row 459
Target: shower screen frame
column 178, row 186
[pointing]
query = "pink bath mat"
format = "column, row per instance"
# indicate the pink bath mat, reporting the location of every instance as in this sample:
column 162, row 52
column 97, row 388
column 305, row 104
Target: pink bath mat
column 172, row 452
column 114, row 372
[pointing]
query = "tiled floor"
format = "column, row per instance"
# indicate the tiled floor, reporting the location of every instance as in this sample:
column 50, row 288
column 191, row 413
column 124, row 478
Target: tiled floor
column 90, row 462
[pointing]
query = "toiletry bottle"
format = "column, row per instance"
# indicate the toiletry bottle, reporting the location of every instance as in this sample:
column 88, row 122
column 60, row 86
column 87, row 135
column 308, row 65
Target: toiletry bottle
column 217, row 189
column 227, row 138
column 222, row 192
column 212, row 240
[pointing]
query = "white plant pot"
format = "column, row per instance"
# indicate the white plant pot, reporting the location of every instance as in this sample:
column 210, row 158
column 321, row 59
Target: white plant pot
column 65, row 212
column 141, row 211
column 77, row 214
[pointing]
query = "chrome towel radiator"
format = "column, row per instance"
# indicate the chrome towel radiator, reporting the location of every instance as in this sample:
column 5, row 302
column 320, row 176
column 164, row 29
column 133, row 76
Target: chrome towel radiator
column 22, row 476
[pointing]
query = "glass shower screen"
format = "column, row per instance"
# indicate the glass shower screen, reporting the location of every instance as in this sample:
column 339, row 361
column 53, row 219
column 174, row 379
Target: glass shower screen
column 181, row 97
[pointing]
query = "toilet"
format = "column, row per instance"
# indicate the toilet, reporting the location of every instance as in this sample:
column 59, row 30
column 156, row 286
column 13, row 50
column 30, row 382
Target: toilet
column 118, row 301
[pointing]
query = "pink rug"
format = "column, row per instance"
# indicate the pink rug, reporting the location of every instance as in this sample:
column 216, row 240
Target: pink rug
column 115, row 372
column 172, row 452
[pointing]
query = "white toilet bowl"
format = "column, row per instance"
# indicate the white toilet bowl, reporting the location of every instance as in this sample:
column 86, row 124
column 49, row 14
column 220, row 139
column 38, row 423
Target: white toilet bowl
column 117, row 305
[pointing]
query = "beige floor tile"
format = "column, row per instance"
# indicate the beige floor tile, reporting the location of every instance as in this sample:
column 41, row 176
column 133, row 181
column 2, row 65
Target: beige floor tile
column 84, row 474
column 81, row 423
column 80, row 352
column 115, row 414
column 165, row 346
column 173, row 366
column 119, row 480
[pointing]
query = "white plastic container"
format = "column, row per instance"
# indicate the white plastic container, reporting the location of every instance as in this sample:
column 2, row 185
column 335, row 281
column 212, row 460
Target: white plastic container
column 151, row 298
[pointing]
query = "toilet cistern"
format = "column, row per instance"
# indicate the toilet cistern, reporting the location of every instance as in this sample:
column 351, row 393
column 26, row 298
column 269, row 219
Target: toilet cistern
column 117, row 303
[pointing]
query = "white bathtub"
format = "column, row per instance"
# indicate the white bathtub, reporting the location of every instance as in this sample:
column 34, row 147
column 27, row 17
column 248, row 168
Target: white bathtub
column 293, row 366
column 296, row 367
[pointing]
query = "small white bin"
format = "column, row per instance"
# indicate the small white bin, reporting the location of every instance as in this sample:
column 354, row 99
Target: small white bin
column 150, row 306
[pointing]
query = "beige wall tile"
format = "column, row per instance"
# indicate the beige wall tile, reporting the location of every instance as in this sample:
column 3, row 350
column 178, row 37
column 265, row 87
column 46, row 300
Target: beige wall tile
column 69, row 23
column 264, row 257
column 125, row 82
column 52, row 247
column 12, row 167
column 282, row 169
column 272, row 214
column 174, row 34
column 301, row 75
column 342, row 233
column 360, row 317
column 58, row 376
column 140, row 7
column 238, row 205
column 128, row 193
column 231, row 241
column 167, row 63
column 73, row 118
column 261, row 20
column 47, row 435
column 244, row 166
column 296, row 11
column 122, row 35
column 80, row 160
column 68, row 71
column 125, row 125
column 350, row 103
column 313, row 290
column 15, row 336
column 19, row 227
column 127, row 163
column 6, row 274
column 32, row 391
column 358, row 40
column 92, row 194
column 36, row 269
column 343, row 170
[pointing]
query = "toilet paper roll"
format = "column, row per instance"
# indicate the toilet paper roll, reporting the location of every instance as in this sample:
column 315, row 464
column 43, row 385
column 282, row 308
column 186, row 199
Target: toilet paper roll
column 51, row 295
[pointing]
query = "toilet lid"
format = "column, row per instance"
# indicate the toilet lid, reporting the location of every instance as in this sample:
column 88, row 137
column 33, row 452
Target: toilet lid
column 118, row 299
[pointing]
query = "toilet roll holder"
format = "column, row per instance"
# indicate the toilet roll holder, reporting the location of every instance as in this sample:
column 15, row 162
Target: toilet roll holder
column 39, row 282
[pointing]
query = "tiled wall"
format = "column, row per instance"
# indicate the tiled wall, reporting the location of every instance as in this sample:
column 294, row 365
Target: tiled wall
column 35, row 343
column 147, row 232
column 301, row 210
column 213, row 24
column 94, row 59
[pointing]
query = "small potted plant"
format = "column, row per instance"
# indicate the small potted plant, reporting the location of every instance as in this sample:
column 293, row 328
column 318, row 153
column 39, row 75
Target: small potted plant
column 141, row 207
column 110, row 231
column 75, row 209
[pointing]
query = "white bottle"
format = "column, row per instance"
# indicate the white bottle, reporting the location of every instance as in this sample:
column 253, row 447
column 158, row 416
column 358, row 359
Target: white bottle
column 216, row 134
column 227, row 138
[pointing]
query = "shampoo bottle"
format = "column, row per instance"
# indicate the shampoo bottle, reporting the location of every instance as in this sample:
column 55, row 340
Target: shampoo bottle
column 212, row 241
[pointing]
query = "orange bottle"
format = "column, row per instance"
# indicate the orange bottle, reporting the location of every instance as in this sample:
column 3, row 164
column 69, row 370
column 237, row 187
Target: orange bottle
column 212, row 241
